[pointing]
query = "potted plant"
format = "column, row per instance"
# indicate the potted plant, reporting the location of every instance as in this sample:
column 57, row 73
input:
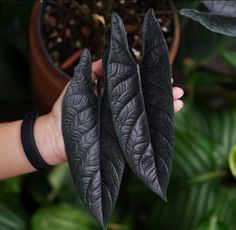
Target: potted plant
column 61, row 29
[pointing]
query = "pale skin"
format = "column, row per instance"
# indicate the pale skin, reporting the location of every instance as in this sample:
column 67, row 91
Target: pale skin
column 48, row 137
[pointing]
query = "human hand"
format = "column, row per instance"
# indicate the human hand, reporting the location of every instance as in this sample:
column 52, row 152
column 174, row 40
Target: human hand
column 53, row 119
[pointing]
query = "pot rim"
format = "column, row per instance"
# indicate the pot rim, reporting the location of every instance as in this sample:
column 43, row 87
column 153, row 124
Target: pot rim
column 173, row 48
column 175, row 44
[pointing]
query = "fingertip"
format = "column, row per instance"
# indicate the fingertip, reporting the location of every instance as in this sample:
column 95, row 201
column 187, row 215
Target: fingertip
column 178, row 105
column 177, row 93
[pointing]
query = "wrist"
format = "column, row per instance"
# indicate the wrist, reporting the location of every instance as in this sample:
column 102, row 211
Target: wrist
column 48, row 140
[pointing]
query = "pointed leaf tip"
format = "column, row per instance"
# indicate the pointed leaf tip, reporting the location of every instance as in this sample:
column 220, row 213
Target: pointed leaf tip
column 118, row 29
column 150, row 18
column 85, row 57
column 85, row 60
column 151, row 12
column 115, row 17
column 85, row 52
column 83, row 70
column 164, row 197
column 119, row 42
column 161, row 192
column 117, row 23
column 151, row 30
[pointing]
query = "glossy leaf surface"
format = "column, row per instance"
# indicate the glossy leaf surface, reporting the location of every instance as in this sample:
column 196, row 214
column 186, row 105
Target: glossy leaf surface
column 94, row 155
column 142, row 104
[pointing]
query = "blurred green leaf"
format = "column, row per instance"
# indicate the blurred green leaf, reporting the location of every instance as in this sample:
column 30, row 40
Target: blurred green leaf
column 216, row 126
column 193, row 42
column 10, row 185
column 229, row 57
column 61, row 217
column 201, row 183
column 212, row 224
column 211, row 88
column 193, row 189
column 12, row 213
column 66, row 190
column 204, row 78
column 56, row 179
column 37, row 188
column 232, row 160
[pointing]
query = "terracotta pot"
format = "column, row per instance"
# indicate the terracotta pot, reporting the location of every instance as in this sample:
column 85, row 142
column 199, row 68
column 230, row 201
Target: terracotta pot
column 48, row 80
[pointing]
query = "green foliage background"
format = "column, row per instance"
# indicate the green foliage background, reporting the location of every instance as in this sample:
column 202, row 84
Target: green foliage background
column 202, row 191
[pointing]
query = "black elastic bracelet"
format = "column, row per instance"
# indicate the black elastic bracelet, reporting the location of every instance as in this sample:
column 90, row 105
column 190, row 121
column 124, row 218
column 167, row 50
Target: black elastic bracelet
column 28, row 142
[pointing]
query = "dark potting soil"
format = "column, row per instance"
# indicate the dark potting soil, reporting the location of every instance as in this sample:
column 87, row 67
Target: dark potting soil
column 71, row 25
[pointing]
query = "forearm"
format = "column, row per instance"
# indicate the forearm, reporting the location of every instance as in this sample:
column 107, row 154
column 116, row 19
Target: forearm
column 12, row 157
column 13, row 160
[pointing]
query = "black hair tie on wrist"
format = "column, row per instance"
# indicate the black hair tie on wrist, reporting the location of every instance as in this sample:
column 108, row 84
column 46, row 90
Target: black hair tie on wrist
column 28, row 142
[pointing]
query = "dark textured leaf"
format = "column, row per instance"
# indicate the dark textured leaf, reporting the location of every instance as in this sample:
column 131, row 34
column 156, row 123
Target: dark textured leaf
column 157, row 93
column 215, row 23
column 94, row 155
column 142, row 117
column 224, row 8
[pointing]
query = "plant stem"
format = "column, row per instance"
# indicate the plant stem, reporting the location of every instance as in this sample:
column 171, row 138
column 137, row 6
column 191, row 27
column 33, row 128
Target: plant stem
column 69, row 61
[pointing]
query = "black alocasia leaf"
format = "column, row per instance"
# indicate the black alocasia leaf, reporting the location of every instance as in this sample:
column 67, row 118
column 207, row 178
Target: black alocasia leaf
column 223, row 8
column 157, row 93
column 142, row 103
column 94, row 155
column 221, row 17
